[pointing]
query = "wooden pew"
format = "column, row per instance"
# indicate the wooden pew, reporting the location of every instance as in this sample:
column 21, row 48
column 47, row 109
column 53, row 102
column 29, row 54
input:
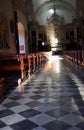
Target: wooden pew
column 15, row 68
column 20, row 64
column 12, row 64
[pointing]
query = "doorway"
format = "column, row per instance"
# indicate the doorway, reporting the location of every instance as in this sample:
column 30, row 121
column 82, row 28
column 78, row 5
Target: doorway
column 21, row 34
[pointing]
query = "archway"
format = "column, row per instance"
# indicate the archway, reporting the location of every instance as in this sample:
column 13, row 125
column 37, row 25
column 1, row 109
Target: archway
column 63, row 8
column 21, row 33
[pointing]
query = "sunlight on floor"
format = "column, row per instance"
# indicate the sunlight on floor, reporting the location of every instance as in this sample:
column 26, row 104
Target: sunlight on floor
column 55, row 57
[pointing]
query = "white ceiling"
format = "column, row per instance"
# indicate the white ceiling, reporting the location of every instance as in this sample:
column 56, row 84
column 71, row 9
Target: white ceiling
column 65, row 8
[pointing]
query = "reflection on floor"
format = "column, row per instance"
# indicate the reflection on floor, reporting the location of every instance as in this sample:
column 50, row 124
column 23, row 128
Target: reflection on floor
column 52, row 99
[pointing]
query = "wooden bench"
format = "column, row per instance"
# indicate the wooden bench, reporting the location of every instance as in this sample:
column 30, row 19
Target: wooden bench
column 15, row 68
column 75, row 58
column 20, row 64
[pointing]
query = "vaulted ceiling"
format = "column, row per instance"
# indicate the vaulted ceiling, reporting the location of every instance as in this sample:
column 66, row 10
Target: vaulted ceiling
column 43, row 9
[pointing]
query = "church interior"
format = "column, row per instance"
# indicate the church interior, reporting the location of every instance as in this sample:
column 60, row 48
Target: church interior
column 41, row 65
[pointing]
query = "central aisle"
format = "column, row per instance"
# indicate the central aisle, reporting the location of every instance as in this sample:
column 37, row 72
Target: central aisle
column 52, row 99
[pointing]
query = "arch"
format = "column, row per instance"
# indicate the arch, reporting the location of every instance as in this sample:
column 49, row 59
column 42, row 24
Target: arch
column 21, row 34
column 49, row 4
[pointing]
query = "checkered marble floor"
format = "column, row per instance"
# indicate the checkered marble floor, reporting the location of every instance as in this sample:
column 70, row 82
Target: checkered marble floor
column 51, row 99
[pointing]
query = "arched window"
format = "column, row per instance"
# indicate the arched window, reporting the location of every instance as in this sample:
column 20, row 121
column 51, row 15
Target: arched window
column 21, row 33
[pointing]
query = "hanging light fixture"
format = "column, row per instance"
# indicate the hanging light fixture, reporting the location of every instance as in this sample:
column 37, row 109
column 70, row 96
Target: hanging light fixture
column 55, row 20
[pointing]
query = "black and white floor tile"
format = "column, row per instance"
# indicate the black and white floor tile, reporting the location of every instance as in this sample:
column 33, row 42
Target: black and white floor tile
column 52, row 99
